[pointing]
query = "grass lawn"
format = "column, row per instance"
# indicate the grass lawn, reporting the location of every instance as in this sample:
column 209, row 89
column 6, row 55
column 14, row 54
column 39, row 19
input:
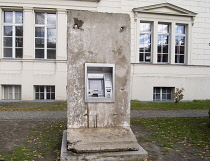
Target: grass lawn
column 33, row 106
column 43, row 142
column 168, row 132
column 197, row 104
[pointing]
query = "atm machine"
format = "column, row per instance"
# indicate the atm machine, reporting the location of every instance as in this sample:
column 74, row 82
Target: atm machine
column 99, row 82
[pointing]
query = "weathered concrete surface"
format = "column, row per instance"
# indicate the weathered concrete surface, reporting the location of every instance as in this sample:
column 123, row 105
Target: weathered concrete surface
column 140, row 155
column 101, row 139
column 98, row 38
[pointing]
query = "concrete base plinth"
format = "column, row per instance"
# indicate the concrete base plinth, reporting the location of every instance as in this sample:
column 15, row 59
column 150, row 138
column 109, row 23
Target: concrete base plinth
column 140, row 155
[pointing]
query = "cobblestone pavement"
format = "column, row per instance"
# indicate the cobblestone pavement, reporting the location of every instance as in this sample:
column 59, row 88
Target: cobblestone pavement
column 134, row 114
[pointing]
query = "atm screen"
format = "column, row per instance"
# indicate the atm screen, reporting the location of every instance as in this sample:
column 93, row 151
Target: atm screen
column 96, row 84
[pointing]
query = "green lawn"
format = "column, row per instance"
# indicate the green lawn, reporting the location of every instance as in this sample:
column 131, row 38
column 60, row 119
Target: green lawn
column 168, row 132
column 43, row 141
column 33, row 106
column 138, row 105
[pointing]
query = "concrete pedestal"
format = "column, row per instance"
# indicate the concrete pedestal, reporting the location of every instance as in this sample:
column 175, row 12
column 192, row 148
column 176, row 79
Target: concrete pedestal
column 140, row 155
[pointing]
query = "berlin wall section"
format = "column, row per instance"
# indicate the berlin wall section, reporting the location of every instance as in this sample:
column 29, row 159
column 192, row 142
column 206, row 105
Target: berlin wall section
column 98, row 38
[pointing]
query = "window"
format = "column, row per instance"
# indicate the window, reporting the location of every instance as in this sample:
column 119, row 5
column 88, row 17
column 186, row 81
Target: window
column 163, row 93
column 145, row 42
column 13, row 34
column 163, row 43
column 180, row 44
column 45, row 35
column 11, row 92
column 45, row 92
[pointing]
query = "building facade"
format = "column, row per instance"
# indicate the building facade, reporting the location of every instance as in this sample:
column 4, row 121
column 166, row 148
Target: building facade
column 170, row 47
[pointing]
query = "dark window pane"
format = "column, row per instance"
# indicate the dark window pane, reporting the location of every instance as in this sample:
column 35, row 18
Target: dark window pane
column 19, row 53
column 39, row 31
column 8, row 41
column 52, row 88
column 39, row 53
column 165, row 58
column 141, row 49
column 141, row 57
column 39, row 18
column 165, row 49
column 36, row 88
column 52, row 96
column 169, row 96
column 51, row 54
column 48, row 88
column 19, row 42
column 8, row 16
column 7, row 52
column 51, row 38
column 39, row 43
column 164, row 90
column 177, row 50
column 41, row 96
column 159, row 58
column 19, row 31
column 48, row 95
column 181, row 49
column 41, row 88
column 159, row 49
column 7, row 30
column 157, row 97
column 51, row 18
column 37, row 96
column 19, row 17
column 157, row 89
column 164, row 96
column 181, row 58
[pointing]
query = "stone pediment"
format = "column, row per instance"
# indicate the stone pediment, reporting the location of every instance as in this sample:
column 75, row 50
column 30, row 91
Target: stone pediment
column 165, row 8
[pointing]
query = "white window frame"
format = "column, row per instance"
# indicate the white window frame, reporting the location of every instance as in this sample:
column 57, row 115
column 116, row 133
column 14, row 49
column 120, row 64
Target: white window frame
column 185, row 36
column 164, row 13
column 45, row 92
column 45, row 26
column 161, row 94
column 169, row 44
column 14, row 92
column 14, row 25
column 144, row 53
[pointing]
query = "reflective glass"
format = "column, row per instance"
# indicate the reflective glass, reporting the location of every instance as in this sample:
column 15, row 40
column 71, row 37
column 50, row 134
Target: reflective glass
column 8, row 16
column 39, row 18
column 19, row 52
column 180, row 29
column 19, row 42
column 19, row 17
column 147, row 57
column 51, row 38
column 48, row 88
column 145, row 27
column 159, row 58
column 39, row 42
column 19, row 31
column 51, row 54
column 52, row 96
column 39, row 32
column 7, row 41
column 147, row 47
column 169, row 96
column 164, row 96
column 39, row 53
column 181, row 59
column 157, row 97
column 37, row 96
column 7, row 52
column 52, row 88
column 182, row 49
column 7, row 30
column 180, row 40
column 163, row 28
column 51, row 18
column 164, row 90
column 157, row 89
column 36, row 88
column 141, row 49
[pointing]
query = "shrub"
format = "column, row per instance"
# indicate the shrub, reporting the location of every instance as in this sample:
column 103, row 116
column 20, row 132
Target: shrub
column 178, row 95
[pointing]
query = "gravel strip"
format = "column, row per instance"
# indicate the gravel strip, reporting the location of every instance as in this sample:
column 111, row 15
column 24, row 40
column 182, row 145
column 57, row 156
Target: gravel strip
column 21, row 115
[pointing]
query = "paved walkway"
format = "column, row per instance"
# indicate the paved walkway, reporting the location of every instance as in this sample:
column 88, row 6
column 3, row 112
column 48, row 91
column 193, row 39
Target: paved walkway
column 134, row 114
